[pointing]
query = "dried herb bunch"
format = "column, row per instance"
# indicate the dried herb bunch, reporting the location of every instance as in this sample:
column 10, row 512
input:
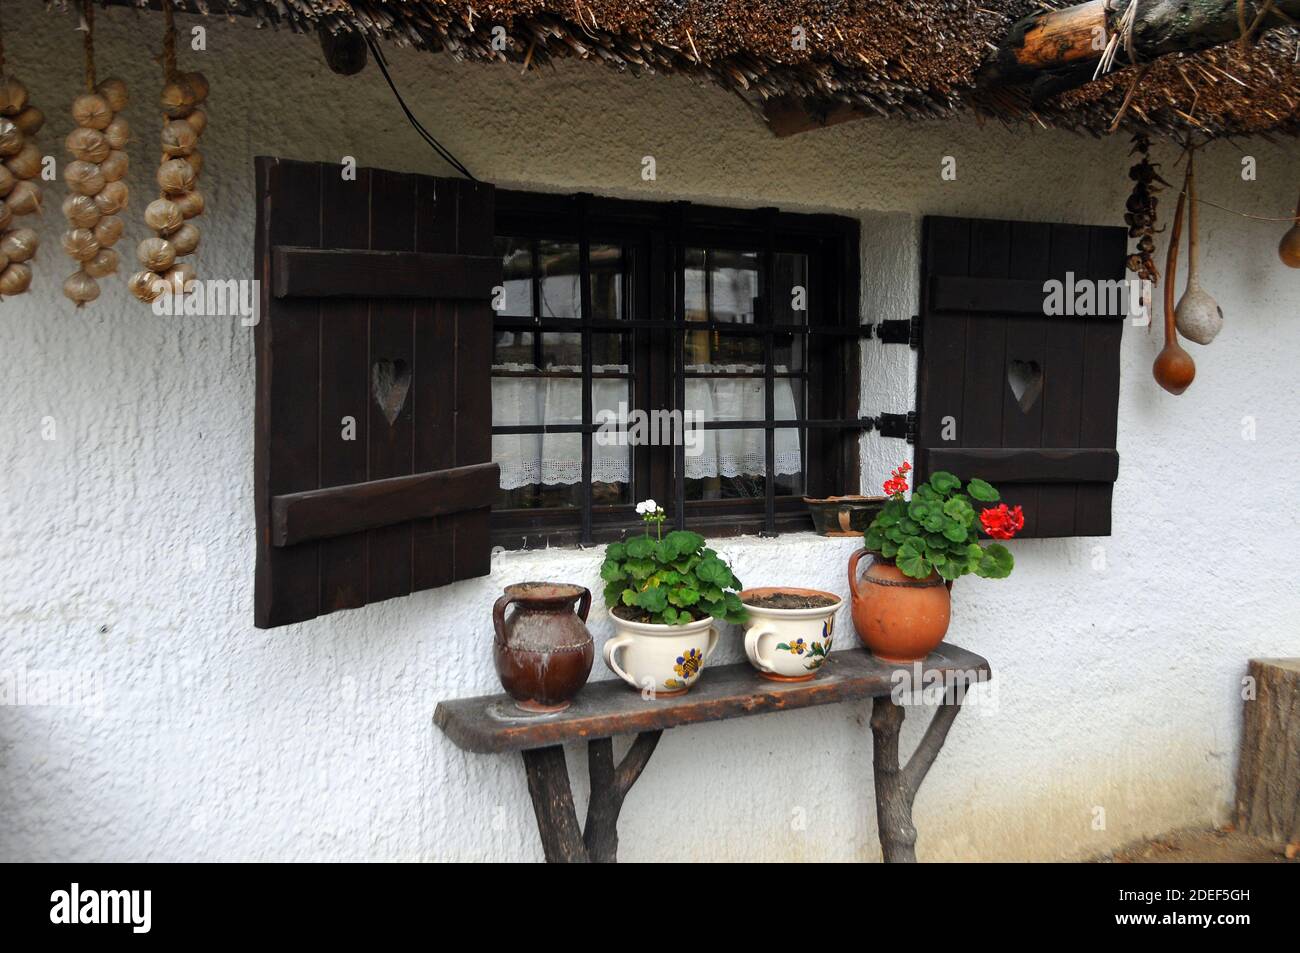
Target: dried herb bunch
column 179, row 200
column 1140, row 211
column 20, row 192
column 96, row 177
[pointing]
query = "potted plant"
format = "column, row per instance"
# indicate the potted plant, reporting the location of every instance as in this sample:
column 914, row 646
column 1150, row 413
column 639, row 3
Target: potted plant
column 664, row 594
column 789, row 634
column 901, row 605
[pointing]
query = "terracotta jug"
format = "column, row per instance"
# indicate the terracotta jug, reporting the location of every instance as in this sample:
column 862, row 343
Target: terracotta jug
column 898, row 618
column 543, row 651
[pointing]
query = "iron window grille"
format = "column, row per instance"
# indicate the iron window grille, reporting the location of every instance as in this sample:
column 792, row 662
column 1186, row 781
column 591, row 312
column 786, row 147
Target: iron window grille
column 653, row 328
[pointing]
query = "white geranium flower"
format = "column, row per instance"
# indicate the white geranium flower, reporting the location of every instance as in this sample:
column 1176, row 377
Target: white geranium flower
column 648, row 507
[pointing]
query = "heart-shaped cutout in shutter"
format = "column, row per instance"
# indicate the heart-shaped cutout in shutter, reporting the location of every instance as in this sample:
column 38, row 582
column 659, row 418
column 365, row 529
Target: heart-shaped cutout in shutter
column 390, row 382
column 1026, row 380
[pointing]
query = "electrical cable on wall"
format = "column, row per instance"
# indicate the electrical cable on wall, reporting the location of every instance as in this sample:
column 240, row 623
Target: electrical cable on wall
column 437, row 146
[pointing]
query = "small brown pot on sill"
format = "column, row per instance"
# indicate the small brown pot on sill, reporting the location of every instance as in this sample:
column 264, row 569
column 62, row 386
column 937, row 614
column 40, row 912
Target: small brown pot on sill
column 543, row 651
column 844, row 515
column 898, row 618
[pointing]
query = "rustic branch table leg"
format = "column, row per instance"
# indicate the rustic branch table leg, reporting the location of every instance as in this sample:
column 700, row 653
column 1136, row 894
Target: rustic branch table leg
column 609, row 786
column 557, row 821
column 896, row 787
column 563, row 841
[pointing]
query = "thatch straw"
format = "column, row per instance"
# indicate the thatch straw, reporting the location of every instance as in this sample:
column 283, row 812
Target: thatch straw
column 888, row 57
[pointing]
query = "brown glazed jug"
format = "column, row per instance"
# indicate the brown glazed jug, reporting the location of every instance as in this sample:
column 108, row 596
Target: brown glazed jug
column 898, row 618
column 543, row 651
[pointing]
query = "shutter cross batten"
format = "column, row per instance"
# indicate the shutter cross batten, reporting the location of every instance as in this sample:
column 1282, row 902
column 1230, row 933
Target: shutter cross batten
column 373, row 451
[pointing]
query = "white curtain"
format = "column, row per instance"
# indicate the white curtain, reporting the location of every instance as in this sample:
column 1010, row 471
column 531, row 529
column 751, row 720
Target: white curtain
column 551, row 459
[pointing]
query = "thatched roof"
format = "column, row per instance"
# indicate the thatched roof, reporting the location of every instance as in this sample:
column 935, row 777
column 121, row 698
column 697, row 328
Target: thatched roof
column 892, row 57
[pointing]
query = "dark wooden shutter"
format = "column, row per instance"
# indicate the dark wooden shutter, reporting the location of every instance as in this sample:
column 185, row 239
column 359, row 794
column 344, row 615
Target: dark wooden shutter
column 373, row 290
column 982, row 314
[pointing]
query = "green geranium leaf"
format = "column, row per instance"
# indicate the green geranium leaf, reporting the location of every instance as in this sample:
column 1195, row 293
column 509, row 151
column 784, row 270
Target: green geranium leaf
column 684, row 596
column 610, row 570
column 713, row 607
column 984, row 492
column 909, row 526
column 918, row 567
column 684, row 542
column 933, row 523
column 712, row 569
column 944, row 482
column 951, row 569
column 615, row 551
column 955, row 531
column 926, row 493
column 959, row 508
column 997, row 562
column 652, row 600
column 911, row 547
column 629, row 597
column 874, row 539
column 889, row 549
column 640, row 569
column 640, row 547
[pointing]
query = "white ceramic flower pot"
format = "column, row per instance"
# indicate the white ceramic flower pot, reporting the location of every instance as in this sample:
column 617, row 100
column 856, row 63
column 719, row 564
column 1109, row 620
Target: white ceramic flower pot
column 660, row 659
column 788, row 645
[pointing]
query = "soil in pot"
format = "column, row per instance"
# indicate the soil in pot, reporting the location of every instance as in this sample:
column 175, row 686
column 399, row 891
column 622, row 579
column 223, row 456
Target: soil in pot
column 790, row 600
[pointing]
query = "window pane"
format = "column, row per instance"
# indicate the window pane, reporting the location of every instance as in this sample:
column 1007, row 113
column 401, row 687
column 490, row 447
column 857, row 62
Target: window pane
column 714, row 347
column 545, row 469
column 562, row 350
column 611, row 450
column 729, row 464
column 789, row 462
column 790, row 292
column 560, row 279
column 721, row 285
column 517, row 274
column 788, row 350
column 610, row 270
column 513, row 348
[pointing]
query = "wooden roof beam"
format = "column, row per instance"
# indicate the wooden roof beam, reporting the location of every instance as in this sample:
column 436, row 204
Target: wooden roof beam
column 1052, row 51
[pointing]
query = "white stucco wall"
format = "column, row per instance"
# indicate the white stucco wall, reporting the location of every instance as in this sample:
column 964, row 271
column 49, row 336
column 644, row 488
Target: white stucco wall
column 126, row 548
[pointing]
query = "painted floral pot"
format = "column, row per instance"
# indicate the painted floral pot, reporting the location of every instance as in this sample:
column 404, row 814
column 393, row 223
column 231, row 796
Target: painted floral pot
column 543, row 651
column 898, row 618
column 661, row 659
column 788, row 645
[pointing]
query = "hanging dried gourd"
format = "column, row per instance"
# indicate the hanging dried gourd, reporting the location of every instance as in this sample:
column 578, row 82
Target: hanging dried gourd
column 1289, row 248
column 1174, row 369
column 20, row 192
column 1198, row 316
column 179, row 200
column 95, row 176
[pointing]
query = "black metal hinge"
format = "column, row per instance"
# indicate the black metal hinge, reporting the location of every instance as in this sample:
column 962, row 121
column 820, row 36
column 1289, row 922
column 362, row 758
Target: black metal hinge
column 902, row 331
column 897, row 425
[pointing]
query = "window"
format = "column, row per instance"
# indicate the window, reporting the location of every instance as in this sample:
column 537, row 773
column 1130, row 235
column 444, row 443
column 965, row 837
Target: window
column 742, row 323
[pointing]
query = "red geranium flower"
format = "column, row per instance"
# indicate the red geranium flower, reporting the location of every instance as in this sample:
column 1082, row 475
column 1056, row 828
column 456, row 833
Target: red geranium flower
column 999, row 522
column 897, row 484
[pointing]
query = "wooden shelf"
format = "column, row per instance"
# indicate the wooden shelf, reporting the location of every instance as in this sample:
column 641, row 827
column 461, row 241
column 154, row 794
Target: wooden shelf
column 491, row 723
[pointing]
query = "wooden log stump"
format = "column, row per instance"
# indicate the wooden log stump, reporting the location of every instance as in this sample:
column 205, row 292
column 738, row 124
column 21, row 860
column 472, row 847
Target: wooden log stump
column 1268, row 772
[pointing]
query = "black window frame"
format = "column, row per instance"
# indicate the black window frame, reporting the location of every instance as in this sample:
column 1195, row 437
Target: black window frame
column 832, row 332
